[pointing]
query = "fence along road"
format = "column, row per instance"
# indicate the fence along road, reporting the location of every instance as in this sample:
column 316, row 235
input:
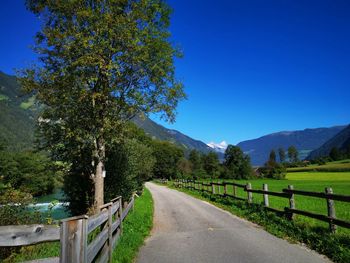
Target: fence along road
column 189, row 230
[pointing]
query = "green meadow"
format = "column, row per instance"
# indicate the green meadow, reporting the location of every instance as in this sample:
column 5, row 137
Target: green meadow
column 308, row 181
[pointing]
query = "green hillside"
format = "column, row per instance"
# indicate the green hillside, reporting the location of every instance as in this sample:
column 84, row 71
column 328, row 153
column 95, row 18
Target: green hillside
column 17, row 115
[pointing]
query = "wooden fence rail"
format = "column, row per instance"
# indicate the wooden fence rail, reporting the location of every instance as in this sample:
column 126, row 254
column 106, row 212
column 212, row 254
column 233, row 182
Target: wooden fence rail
column 289, row 193
column 75, row 233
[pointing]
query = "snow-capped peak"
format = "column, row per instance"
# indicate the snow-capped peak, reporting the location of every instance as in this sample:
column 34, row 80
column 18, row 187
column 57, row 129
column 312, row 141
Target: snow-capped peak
column 220, row 147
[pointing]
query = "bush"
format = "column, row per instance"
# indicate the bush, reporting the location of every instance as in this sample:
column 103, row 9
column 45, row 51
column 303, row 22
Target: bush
column 14, row 211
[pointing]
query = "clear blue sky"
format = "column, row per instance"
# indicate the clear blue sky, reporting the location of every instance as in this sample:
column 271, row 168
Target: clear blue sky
column 251, row 67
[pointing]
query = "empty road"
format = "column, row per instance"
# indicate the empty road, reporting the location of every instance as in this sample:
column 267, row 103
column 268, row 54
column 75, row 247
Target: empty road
column 190, row 230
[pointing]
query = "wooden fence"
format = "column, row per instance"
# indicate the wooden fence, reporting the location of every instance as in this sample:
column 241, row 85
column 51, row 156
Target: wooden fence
column 289, row 193
column 83, row 239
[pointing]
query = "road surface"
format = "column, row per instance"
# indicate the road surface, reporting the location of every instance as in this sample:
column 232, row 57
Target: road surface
column 190, row 230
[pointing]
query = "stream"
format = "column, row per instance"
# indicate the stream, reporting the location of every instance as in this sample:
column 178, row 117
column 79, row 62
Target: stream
column 58, row 211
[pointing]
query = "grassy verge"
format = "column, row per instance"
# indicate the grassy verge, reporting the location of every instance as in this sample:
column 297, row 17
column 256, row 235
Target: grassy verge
column 335, row 246
column 136, row 228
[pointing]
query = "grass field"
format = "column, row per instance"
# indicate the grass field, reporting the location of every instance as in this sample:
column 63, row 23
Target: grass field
column 309, row 181
column 336, row 166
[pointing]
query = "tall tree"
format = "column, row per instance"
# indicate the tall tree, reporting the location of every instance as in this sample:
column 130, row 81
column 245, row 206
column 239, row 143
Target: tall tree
column 195, row 159
column 293, row 154
column 211, row 164
column 101, row 62
column 282, row 155
column 272, row 156
column 237, row 164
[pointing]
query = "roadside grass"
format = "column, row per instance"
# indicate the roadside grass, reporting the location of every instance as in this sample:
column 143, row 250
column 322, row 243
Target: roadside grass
column 336, row 166
column 308, row 181
column 335, row 246
column 136, row 228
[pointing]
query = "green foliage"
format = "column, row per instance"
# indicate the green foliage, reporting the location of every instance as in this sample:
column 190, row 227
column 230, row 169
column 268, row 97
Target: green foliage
column 17, row 124
column 27, row 171
column 184, row 167
column 272, row 169
column 293, row 154
column 14, row 211
column 100, row 65
column 195, row 159
column 282, row 155
column 136, row 228
column 211, row 164
column 129, row 165
column 335, row 154
column 166, row 157
column 236, row 164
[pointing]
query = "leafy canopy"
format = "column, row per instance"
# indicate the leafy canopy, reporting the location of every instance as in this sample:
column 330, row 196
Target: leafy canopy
column 101, row 62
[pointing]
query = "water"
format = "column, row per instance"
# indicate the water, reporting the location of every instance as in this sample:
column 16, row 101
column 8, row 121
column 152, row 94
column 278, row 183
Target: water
column 59, row 211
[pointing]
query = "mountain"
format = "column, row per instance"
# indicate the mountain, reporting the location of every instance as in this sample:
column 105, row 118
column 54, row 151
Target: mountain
column 218, row 147
column 161, row 133
column 17, row 114
column 341, row 141
column 304, row 140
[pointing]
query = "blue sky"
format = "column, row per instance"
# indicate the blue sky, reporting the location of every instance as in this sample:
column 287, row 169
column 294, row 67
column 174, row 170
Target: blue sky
column 250, row 68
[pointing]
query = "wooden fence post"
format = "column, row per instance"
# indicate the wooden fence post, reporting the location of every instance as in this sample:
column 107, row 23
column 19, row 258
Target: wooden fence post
column 110, row 234
column 121, row 214
column 234, row 191
column 266, row 196
column 73, row 240
column 331, row 210
column 291, row 201
column 212, row 188
column 250, row 194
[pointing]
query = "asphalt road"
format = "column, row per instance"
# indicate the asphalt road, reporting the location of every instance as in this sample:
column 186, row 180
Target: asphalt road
column 190, row 230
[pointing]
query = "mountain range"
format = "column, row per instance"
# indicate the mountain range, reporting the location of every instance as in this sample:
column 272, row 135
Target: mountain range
column 341, row 141
column 304, row 140
column 18, row 113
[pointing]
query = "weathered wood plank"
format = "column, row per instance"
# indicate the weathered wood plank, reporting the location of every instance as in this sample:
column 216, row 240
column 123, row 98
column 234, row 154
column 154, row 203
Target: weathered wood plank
column 126, row 210
column 235, row 184
column 44, row 260
column 335, row 197
column 116, row 199
column 115, row 207
column 116, row 224
column 23, row 235
column 97, row 220
column 73, row 240
column 95, row 246
column 285, row 195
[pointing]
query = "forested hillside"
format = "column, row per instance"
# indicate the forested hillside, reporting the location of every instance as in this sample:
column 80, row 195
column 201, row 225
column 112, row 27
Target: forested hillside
column 304, row 140
column 17, row 114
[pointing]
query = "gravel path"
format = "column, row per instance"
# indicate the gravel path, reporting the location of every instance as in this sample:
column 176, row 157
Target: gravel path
column 190, row 230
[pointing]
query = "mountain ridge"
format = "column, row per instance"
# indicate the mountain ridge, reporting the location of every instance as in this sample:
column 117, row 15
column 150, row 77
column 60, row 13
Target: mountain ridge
column 304, row 140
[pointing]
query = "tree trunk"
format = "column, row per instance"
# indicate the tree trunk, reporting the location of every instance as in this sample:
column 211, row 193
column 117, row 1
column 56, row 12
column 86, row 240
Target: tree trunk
column 99, row 186
column 98, row 176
